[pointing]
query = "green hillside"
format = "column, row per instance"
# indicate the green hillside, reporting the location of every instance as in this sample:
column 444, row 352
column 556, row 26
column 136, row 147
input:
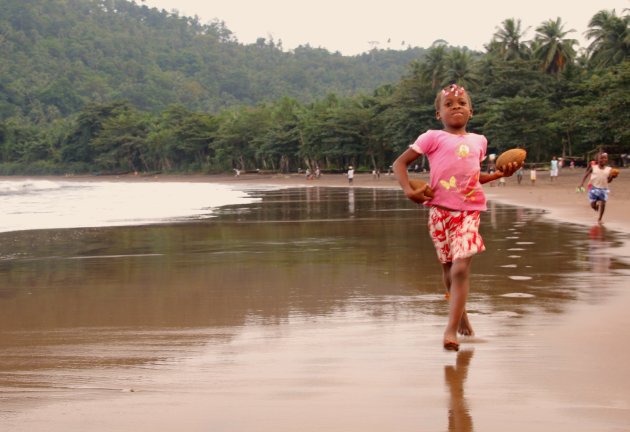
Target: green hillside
column 58, row 55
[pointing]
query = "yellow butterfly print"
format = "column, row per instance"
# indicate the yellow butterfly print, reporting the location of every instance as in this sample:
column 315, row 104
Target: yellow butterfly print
column 471, row 196
column 463, row 150
column 449, row 184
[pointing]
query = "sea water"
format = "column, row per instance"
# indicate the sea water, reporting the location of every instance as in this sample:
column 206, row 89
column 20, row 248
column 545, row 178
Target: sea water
column 46, row 204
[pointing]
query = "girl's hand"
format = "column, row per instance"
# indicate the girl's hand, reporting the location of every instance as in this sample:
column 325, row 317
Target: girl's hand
column 509, row 169
column 420, row 195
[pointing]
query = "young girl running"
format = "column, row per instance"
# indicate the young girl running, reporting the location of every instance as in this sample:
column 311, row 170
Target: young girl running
column 455, row 160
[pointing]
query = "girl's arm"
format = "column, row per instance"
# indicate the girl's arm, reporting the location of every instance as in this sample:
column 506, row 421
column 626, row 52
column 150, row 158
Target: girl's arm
column 485, row 178
column 400, row 171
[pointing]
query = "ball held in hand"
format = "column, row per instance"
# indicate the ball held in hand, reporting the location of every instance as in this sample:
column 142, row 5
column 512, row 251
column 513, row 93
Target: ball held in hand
column 614, row 172
column 516, row 155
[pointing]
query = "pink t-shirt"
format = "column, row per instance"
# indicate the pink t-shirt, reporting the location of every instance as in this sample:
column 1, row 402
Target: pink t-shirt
column 455, row 162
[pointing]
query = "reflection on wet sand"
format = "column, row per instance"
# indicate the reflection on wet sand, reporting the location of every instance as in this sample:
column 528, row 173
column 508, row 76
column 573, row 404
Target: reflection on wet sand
column 598, row 252
column 90, row 310
column 459, row 416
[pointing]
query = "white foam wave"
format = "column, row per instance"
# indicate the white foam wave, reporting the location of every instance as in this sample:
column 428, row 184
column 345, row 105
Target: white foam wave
column 42, row 204
column 27, row 187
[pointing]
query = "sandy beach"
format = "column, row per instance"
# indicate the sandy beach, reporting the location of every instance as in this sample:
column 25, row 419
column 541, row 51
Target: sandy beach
column 562, row 372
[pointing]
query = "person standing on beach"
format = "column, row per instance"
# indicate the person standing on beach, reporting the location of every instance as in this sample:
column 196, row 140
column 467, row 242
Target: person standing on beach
column 455, row 158
column 600, row 176
column 553, row 171
column 532, row 174
column 350, row 174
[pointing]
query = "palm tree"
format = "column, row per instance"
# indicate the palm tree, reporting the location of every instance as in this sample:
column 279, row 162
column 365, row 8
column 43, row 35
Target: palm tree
column 611, row 38
column 552, row 47
column 461, row 69
column 506, row 41
column 433, row 67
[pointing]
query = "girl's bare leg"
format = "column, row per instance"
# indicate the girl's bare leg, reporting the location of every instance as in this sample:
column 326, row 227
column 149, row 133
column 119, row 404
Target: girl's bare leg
column 458, row 275
column 464, row 328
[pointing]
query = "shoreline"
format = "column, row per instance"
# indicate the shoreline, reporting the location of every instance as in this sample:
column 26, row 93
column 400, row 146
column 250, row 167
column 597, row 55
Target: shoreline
column 558, row 199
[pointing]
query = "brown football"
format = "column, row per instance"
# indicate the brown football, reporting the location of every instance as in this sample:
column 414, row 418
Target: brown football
column 417, row 184
column 614, row 172
column 517, row 155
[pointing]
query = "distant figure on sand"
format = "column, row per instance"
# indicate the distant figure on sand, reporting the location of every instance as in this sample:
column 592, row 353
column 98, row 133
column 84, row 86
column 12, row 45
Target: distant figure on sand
column 532, row 174
column 600, row 176
column 553, row 171
column 455, row 158
column 350, row 174
column 519, row 175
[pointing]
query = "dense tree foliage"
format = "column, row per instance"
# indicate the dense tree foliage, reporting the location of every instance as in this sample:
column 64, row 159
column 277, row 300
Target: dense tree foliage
column 112, row 86
column 59, row 55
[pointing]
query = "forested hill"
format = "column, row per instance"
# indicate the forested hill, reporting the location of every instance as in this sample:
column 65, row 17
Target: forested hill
column 58, row 55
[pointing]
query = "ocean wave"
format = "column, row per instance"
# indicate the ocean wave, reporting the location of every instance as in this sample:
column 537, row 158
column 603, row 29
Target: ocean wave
column 43, row 204
column 27, row 187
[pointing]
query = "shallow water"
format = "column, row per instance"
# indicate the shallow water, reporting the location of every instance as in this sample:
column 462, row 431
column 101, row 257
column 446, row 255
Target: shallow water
column 293, row 304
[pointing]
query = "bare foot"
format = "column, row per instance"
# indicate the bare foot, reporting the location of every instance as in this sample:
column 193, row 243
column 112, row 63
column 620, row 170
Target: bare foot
column 450, row 342
column 465, row 329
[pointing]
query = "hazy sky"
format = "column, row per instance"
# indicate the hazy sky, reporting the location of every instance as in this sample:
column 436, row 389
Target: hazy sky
column 355, row 26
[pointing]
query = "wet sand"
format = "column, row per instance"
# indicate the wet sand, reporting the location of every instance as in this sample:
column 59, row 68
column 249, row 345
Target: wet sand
column 374, row 366
column 558, row 198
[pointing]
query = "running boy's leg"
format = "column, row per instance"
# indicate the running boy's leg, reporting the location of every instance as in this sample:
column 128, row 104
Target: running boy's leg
column 598, row 198
column 602, row 207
